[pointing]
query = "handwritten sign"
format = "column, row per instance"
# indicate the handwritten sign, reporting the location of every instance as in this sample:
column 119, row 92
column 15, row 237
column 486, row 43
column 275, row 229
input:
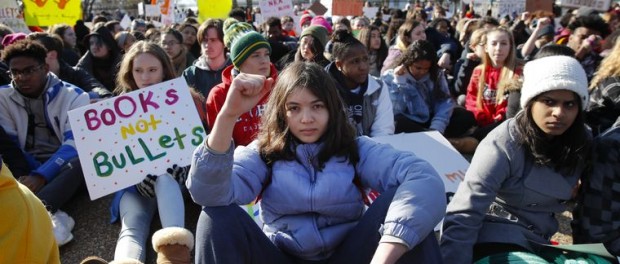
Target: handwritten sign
column 347, row 8
column 122, row 139
column 11, row 16
column 276, row 8
column 47, row 13
column 510, row 7
column 601, row 5
column 213, row 9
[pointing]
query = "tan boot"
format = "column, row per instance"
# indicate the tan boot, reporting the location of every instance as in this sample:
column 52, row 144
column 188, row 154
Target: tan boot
column 173, row 245
column 126, row 261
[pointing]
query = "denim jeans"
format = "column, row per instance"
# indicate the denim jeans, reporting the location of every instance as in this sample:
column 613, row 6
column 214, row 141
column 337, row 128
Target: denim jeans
column 56, row 193
column 136, row 214
column 227, row 234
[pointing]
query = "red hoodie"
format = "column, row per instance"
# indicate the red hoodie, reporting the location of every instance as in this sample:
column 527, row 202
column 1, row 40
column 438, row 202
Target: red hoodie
column 247, row 125
column 491, row 112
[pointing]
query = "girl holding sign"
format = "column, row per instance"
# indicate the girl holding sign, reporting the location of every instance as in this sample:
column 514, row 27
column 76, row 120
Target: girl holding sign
column 146, row 64
column 523, row 172
column 308, row 166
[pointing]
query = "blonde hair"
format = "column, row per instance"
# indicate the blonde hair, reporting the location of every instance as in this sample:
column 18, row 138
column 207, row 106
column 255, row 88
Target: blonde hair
column 478, row 37
column 508, row 69
column 610, row 66
column 125, row 81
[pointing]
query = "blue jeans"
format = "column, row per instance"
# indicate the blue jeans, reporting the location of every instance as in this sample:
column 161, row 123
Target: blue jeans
column 136, row 214
column 227, row 234
column 60, row 190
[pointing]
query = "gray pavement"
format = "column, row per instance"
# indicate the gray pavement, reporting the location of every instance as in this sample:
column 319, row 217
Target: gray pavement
column 93, row 235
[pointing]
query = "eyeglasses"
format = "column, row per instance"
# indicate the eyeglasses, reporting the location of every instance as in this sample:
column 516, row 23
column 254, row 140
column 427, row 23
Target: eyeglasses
column 25, row 72
column 169, row 43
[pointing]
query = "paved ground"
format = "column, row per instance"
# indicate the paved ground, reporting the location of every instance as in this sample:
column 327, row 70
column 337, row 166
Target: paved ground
column 95, row 236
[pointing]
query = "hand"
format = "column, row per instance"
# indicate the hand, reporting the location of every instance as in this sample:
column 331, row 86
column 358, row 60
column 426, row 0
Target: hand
column 245, row 92
column 444, row 61
column 472, row 56
column 525, row 15
column 388, row 253
column 146, row 187
column 179, row 174
column 33, row 182
column 400, row 70
column 542, row 22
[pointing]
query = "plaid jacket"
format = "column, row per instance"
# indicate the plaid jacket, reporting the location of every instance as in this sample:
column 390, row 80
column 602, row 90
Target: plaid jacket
column 597, row 215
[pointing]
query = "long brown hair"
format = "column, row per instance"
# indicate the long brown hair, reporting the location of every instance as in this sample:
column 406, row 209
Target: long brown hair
column 276, row 142
column 125, row 81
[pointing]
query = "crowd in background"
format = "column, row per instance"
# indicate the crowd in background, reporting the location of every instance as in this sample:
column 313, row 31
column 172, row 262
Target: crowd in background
column 477, row 79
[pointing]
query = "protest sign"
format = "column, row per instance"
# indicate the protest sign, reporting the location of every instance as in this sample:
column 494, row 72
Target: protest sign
column 213, row 9
column 601, row 5
column 125, row 22
column 514, row 7
column 276, row 8
column 122, row 139
column 536, row 5
column 370, row 12
column 436, row 150
column 152, row 10
column 318, row 9
column 11, row 16
column 47, row 13
column 347, row 7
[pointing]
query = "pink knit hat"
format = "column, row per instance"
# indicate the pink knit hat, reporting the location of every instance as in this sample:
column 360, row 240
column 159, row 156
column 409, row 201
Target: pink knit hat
column 320, row 21
column 12, row 38
column 305, row 18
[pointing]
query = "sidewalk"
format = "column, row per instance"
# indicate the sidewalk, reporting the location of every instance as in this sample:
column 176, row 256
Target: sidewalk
column 93, row 234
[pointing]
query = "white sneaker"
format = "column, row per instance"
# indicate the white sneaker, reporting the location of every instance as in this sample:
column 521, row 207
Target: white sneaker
column 61, row 233
column 65, row 219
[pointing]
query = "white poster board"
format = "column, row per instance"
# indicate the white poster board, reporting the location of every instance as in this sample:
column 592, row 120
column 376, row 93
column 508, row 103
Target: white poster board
column 510, row 7
column 11, row 16
column 601, row 5
column 436, row 150
column 276, row 8
column 122, row 139
column 370, row 12
column 152, row 10
column 125, row 22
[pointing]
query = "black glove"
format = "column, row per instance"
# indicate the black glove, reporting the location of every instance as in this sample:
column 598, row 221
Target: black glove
column 179, row 174
column 146, row 188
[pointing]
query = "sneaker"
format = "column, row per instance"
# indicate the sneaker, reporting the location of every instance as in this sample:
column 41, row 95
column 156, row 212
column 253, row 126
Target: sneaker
column 66, row 220
column 61, row 233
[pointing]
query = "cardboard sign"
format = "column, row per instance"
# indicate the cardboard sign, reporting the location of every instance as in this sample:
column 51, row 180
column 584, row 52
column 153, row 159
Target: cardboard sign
column 600, row 5
column 276, row 8
column 347, row 8
column 11, row 16
column 122, row 139
column 535, row 5
column 318, row 9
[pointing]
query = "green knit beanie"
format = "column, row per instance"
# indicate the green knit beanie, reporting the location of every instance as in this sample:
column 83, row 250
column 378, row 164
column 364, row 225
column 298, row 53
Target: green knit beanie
column 319, row 33
column 241, row 39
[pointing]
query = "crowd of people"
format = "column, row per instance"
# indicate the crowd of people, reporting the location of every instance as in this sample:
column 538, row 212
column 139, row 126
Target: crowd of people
column 290, row 118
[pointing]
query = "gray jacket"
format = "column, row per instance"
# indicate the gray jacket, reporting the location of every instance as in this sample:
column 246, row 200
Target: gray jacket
column 504, row 198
